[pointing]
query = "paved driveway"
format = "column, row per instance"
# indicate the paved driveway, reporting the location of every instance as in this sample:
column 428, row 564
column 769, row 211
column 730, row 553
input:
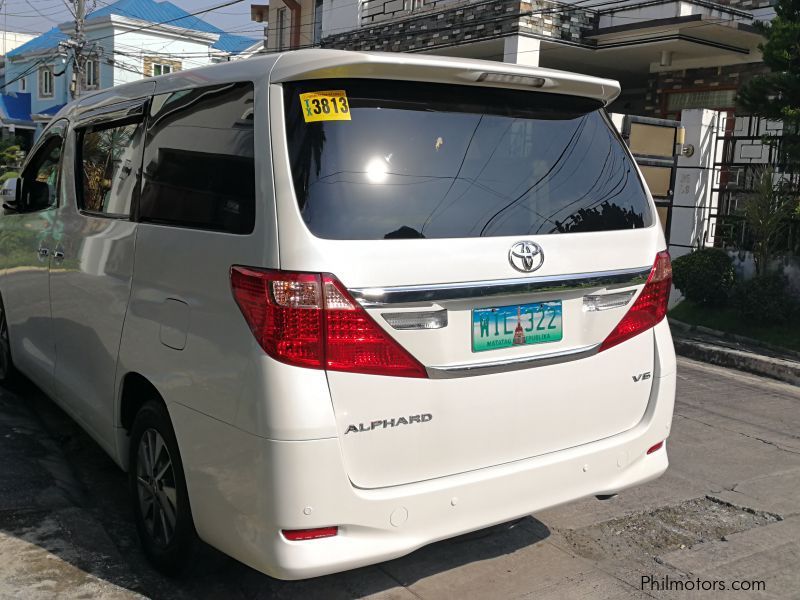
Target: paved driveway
column 727, row 512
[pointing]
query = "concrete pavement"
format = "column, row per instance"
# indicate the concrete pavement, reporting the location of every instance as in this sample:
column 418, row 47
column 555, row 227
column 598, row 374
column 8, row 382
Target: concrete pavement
column 728, row 510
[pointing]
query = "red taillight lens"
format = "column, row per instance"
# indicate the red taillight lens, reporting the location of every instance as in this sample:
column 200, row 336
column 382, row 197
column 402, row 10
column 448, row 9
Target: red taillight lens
column 298, row 535
column 650, row 307
column 354, row 342
column 655, row 448
column 311, row 320
column 284, row 311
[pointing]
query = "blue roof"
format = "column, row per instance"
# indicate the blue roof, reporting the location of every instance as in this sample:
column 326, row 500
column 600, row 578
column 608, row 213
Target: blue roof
column 144, row 10
column 155, row 12
column 51, row 110
column 16, row 106
column 47, row 41
column 234, row 44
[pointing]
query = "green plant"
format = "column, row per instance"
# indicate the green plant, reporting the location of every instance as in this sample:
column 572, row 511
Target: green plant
column 9, row 155
column 767, row 211
column 705, row 276
column 8, row 175
column 764, row 299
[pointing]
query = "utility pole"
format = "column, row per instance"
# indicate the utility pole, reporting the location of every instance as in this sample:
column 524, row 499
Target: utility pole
column 80, row 44
column 76, row 46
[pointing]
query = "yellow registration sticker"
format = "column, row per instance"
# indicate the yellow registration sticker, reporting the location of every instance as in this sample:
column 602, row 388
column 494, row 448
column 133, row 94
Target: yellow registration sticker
column 330, row 105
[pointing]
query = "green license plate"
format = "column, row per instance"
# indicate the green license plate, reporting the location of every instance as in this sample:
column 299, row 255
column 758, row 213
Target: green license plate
column 516, row 325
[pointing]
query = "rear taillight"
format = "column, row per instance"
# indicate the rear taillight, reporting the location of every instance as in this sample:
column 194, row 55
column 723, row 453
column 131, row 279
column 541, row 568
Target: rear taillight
column 310, row 320
column 649, row 308
column 300, row 535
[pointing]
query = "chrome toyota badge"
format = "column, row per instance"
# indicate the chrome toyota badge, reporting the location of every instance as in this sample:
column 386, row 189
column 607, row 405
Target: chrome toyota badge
column 526, row 256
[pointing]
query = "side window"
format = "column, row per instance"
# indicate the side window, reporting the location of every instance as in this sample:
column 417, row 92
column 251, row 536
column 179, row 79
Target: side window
column 40, row 178
column 199, row 168
column 108, row 168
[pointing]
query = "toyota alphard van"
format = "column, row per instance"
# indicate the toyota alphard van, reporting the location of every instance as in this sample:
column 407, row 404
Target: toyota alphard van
column 327, row 307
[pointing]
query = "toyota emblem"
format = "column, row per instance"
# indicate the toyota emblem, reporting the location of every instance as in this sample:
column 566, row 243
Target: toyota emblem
column 526, row 256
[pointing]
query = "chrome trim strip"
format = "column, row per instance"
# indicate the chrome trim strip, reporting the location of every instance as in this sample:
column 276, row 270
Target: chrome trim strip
column 374, row 297
column 512, row 364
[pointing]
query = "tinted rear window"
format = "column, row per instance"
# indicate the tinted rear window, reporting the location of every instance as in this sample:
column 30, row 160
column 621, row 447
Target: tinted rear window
column 439, row 161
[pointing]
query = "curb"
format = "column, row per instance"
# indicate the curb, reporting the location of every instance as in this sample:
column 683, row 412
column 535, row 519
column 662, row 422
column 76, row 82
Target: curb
column 740, row 359
column 740, row 339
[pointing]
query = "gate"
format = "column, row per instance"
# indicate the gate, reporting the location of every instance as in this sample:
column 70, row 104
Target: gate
column 742, row 155
column 652, row 143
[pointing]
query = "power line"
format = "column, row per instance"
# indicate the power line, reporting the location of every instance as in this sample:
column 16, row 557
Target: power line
column 168, row 21
column 29, row 70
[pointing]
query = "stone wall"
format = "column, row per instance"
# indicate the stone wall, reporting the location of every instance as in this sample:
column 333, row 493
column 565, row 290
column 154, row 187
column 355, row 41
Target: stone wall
column 445, row 22
column 710, row 78
column 150, row 60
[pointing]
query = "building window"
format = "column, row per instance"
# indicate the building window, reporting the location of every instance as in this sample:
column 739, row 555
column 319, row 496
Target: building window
column 46, row 82
column 317, row 21
column 161, row 69
column 283, row 28
column 159, row 65
column 92, row 75
column 23, row 84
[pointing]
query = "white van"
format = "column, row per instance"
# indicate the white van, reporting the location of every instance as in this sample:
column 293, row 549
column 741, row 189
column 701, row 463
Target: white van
column 328, row 307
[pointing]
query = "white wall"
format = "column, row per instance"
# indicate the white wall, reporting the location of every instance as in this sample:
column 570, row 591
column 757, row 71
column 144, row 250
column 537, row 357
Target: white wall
column 340, row 15
column 695, row 179
column 130, row 48
column 9, row 40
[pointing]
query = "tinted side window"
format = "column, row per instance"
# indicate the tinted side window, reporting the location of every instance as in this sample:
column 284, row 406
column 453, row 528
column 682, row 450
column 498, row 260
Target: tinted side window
column 108, row 168
column 41, row 175
column 199, row 169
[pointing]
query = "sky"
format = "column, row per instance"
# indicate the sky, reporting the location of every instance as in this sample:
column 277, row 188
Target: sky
column 37, row 16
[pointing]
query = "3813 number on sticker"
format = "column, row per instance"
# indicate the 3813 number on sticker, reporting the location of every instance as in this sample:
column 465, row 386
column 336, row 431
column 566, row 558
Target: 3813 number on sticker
column 330, row 105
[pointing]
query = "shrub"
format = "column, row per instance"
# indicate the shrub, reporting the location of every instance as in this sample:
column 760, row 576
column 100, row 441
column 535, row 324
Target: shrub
column 764, row 299
column 9, row 175
column 705, row 276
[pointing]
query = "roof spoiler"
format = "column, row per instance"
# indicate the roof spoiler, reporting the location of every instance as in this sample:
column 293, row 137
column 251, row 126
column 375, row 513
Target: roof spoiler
column 328, row 64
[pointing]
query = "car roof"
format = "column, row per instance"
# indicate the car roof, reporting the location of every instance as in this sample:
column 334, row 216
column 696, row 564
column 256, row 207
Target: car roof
column 324, row 63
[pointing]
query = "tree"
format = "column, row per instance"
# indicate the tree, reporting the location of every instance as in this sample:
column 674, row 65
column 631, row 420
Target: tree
column 766, row 211
column 776, row 95
column 10, row 152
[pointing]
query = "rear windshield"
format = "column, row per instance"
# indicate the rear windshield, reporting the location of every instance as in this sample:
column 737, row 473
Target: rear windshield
column 375, row 159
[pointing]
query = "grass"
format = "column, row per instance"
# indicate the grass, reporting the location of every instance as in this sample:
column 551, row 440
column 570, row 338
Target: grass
column 786, row 335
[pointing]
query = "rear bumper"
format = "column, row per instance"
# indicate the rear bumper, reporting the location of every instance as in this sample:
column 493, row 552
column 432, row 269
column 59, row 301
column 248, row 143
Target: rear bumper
column 237, row 509
column 379, row 525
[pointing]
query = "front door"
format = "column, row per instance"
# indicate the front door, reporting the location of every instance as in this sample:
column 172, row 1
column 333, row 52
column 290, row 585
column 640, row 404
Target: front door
column 91, row 269
column 26, row 246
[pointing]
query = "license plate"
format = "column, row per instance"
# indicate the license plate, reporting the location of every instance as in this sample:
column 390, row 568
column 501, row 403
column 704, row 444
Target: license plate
column 516, row 325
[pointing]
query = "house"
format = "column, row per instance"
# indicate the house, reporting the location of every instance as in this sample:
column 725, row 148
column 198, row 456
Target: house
column 126, row 40
column 667, row 54
column 299, row 23
column 16, row 107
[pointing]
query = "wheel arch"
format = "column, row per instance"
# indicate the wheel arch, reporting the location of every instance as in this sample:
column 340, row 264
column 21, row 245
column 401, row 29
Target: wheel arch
column 135, row 391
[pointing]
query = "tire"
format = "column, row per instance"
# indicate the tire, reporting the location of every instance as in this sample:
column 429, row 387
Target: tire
column 158, row 492
column 7, row 370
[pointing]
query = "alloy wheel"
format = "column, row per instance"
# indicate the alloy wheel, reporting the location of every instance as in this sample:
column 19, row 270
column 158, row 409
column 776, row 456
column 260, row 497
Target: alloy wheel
column 156, row 487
